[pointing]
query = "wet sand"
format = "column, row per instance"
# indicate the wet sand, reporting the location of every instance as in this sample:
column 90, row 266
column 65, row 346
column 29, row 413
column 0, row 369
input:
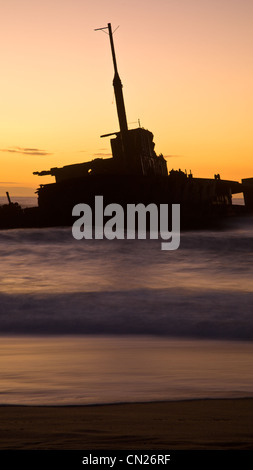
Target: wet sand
column 180, row 425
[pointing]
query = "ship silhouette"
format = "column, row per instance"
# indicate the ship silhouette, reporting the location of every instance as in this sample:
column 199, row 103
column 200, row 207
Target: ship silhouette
column 135, row 174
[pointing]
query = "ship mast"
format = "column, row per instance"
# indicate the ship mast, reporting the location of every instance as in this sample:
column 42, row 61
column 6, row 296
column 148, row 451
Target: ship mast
column 117, row 85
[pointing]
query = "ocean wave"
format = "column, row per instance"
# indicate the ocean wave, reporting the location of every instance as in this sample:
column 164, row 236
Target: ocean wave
column 165, row 312
column 234, row 230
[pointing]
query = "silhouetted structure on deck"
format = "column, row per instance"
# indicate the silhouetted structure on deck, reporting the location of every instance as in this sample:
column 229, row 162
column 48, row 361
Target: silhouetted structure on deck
column 133, row 150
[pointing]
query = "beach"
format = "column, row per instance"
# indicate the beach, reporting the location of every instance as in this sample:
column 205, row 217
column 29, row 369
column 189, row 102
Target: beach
column 216, row 424
column 118, row 346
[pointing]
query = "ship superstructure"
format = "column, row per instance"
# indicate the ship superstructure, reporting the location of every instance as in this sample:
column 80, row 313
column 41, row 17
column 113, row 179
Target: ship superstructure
column 133, row 151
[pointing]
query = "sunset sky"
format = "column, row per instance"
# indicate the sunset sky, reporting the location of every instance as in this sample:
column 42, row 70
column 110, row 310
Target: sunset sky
column 186, row 67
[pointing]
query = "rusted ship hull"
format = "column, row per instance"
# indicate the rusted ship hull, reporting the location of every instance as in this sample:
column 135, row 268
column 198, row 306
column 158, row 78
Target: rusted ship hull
column 203, row 202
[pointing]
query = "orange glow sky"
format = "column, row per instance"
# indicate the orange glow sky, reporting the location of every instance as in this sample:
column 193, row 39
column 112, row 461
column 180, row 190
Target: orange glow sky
column 186, row 67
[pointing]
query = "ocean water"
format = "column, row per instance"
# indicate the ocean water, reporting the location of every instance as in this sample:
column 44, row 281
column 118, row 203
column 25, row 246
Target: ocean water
column 99, row 321
column 24, row 201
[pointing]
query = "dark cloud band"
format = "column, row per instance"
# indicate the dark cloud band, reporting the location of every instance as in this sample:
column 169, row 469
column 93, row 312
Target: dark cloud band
column 26, row 151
